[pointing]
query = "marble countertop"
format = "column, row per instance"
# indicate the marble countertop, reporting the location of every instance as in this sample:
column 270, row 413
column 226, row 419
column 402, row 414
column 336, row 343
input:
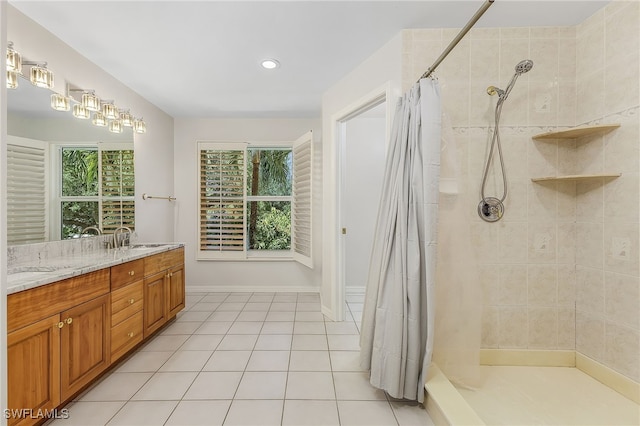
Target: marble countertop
column 40, row 272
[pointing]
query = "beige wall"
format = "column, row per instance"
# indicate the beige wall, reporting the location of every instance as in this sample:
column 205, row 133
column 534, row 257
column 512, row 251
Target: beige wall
column 553, row 248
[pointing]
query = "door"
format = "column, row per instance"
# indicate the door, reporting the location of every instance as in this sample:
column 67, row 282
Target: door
column 33, row 355
column 175, row 288
column 85, row 351
column 155, row 302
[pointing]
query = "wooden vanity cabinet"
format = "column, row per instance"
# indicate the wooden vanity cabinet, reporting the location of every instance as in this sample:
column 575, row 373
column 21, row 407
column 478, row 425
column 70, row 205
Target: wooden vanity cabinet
column 127, row 302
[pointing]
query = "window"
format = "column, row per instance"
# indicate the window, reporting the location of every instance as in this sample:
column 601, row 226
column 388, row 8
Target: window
column 96, row 189
column 255, row 201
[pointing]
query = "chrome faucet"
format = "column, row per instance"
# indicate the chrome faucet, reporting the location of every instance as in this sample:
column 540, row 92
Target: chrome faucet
column 91, row 228
column 115, row 236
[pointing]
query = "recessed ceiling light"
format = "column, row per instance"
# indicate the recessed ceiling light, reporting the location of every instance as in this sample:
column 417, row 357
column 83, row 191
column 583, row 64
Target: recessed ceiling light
column 270, row 64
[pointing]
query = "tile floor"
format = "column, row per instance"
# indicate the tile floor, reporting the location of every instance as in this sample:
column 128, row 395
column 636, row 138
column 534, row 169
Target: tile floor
column 245, row 359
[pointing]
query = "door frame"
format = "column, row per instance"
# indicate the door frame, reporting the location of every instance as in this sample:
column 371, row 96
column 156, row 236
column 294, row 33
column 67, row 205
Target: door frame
column 338, row 128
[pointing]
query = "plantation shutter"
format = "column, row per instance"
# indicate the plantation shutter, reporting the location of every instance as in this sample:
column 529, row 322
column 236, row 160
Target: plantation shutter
column 301, row 213
column 117, row 201
column 27, row 204
column 222, row 204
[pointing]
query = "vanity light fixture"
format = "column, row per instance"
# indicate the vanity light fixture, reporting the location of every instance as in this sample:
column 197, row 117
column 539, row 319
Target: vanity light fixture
column 60, row 102
column 14, row 59
column 90, row 101
column 79, row 111
column 115, row 126
column 126, row 118
column 110, row 111
column 139, row 126
column 99, row 120
column 39, row 75
column 12, row 79
column 270, row 64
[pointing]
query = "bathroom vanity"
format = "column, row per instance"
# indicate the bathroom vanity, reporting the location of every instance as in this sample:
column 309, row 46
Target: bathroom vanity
column 67, row 326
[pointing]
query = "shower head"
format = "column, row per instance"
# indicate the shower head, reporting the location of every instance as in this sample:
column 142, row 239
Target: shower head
column 524, row 66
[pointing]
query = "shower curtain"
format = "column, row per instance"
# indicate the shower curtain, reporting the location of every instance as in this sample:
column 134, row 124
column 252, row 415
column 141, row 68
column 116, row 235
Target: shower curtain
column 397, row 333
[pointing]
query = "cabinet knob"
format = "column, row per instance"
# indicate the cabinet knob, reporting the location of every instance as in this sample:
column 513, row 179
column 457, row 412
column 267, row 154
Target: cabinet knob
column 132, row 273
column 69, row 320
column 59, row 325
column 131, row 301
column 170, row 274
column 130, row 334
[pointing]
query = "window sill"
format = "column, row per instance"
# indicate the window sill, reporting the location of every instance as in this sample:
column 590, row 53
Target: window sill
column 269, row 255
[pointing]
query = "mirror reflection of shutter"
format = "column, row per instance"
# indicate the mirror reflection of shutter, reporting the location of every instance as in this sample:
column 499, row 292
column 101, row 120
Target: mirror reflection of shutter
column 27, row 204
column 301, row 213
column 222, row 203
column 117, row 190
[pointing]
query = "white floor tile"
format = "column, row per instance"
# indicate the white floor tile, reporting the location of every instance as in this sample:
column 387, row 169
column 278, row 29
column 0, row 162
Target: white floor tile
column 89, row 413
column 204, row 307
column 214, row 327
column 309, row 361
column 186, row 361
column 308, row 307
column 356, row 386
column 281, row 316
column 166, row 386
column 309, row 316
column 310, row 385
column 262, row 385
column 228, row 361
column 214, row 385
column 283, row 307
column 274, row 342
column 355, row 298
column 344, row 342
column 284, row 298
column 215, row 298
column 236, row 298
column 143, row 413
column 196, row 316
column 199, row 413
column 343, row 327
column 310, row 413
column 345, row 360
column 269, row 361
column 366, row 413
column 277, row 327
column 411, row 414
column 257, row 307
column 309, row 327
column 180, row 327
column 165, row 343
column 230, row 306
column 202, row 342
column 308, row 298
column 224, row 316
column 252, row 413
column 355, row 307
column 252, row 316
column 117, row 387
column 144, row 361
column 238, row 342
column 252, row 327
column 261, row 298
column 309, row 342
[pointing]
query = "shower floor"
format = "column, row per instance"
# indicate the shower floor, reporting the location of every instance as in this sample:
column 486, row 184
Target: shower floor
column 547, row 396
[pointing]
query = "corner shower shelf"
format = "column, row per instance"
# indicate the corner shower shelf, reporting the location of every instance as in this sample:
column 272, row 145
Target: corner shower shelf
column 576, row 177
column 577, row 132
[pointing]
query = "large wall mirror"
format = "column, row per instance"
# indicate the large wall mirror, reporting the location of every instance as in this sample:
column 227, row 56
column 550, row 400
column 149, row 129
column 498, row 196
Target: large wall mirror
column 64, row 175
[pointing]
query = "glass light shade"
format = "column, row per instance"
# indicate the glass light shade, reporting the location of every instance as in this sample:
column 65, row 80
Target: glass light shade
column 110, row 111
column 12, row 80
column 79, row 111
column 115, row 126
column 60, row 102
column 91, row 102
column 139, row 126
column 99, row 120
column 126, row 118
column 14, row 60
column 41, row 77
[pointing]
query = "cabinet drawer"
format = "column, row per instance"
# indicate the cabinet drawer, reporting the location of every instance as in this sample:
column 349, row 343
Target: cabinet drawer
column 126, row 335
column 126, row 301
column 163, row 261
column 126, row 273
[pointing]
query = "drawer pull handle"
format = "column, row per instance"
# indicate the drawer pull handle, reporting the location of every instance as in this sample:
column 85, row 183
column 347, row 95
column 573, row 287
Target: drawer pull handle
column 131, row 301
column 60, row 324
column 132, row 273
column 130, row 334
column 69, row 320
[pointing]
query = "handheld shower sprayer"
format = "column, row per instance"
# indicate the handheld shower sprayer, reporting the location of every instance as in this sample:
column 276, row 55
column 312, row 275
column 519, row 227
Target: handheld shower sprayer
column 491, row 209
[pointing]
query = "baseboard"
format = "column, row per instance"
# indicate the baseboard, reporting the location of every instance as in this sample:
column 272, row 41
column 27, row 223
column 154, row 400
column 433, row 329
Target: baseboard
column 528, row 357
column 609, row 377
column 444, row 403
column 327, row 312
column 250, row 289
column 356, row 291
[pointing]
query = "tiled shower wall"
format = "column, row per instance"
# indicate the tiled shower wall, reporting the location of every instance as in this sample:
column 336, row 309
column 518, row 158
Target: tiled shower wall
column 548, row 254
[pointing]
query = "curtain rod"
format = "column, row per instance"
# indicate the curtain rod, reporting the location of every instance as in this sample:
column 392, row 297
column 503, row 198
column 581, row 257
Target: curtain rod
column 486, row 5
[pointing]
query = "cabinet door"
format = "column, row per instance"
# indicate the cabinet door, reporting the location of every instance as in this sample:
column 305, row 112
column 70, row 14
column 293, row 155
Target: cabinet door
column 176, row 290
column 85, row 351
column 155, row 302
column 33, row 356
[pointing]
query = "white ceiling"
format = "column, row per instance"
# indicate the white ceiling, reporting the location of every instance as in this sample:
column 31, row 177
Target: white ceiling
column 201, row 58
